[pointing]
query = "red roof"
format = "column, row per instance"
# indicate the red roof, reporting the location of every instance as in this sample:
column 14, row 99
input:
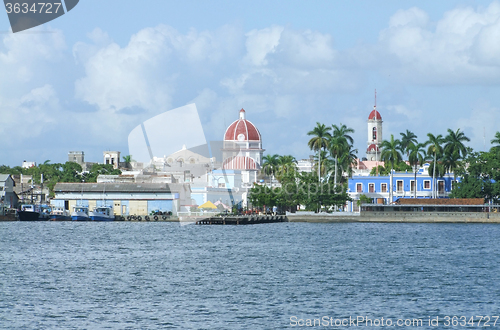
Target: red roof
column 239, row 163
column 373, row 147
column 242, row 130
column 375, row 115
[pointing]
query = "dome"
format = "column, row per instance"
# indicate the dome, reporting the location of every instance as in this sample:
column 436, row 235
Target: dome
column 240, row 163
column 242, row 130
column 372, row 147
column 375, row 115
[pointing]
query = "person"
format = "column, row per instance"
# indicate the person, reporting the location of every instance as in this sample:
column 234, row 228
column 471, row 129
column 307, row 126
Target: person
column 275, row 210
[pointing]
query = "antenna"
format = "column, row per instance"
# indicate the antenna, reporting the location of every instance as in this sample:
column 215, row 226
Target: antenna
column 375, row 98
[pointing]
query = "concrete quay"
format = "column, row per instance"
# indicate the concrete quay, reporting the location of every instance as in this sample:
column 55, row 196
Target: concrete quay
column 398, row 217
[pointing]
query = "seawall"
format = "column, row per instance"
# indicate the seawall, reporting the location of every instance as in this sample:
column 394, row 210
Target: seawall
column 400, row 217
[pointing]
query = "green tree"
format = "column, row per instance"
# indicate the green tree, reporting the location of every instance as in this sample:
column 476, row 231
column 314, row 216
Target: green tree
column 127, row 160
column 391, row 153
column 455, row 143
column 496, row 143
column 340, row 146
column 416, row 157
column 319, row 141
column 434, row 148
column 270, row 165
column 98, row 169
column 408, row 140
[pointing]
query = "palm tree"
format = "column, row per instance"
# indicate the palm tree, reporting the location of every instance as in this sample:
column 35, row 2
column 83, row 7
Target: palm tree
column 455, row 142
column 285, row 165
column 340, row 144
column 269, row 165
column 347, row 161
column 496, row 141
column 435, row 149
column 416, row 157
column 127, row 160
column 319, row 141
column 408, row 140
column 451, row 162
column 391, row 152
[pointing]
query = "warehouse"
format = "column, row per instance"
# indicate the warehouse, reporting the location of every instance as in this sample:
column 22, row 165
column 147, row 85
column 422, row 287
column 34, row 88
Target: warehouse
column 125, row 198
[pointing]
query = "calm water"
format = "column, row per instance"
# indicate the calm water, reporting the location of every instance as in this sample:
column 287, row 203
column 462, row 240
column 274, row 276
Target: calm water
column 73, row 275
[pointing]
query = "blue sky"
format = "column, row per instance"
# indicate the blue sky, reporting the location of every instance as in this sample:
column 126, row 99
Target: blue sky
column 85, row 80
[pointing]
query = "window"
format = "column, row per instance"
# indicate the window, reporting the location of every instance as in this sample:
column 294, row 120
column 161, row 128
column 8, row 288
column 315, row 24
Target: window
column 441, row 186
column 399, row 185
column 374, row 133
column 222, row 185
column 383, row 187
column 427, row 184
column 371, row 187
column 412, row 185
column 359, row 187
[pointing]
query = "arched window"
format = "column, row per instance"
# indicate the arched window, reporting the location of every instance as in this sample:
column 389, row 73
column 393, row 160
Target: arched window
column 374, row 133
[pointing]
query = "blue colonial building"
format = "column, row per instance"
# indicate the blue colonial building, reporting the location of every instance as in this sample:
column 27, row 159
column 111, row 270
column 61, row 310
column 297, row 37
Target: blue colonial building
column 403, row 186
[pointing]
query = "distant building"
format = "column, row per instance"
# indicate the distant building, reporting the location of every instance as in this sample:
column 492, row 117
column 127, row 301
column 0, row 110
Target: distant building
column 243, row 149
column 7, row 195
column 28, row 164
column 374, row 135
column 305, row 165
column 112, row 158
column 125, row 198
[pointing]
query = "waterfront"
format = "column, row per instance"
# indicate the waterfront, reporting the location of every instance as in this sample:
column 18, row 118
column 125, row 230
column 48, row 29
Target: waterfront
column 157, row 275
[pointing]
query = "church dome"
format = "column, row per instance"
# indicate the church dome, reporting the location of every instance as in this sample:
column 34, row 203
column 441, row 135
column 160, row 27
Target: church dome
column 374, row 115
column 242, row 130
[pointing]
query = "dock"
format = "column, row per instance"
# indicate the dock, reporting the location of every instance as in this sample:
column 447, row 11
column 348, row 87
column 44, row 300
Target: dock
column 242, row 220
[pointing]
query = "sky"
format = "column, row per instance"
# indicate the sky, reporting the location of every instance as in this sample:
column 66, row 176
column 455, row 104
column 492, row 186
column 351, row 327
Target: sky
column 85, row 80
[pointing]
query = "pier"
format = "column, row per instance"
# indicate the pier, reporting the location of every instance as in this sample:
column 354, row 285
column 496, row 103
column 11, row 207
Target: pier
column 242, row 220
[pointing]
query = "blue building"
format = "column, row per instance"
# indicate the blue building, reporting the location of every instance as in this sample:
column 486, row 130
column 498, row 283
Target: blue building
column 403, row 186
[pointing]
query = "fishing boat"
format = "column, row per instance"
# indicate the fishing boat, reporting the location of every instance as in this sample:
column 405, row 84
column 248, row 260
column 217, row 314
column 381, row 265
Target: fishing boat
column 80, row 213
column 7, row 213
column 34, row 212
column 59, row 214
column 102, row 213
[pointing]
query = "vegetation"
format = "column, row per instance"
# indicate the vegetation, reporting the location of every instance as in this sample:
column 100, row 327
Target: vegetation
column 54, row 173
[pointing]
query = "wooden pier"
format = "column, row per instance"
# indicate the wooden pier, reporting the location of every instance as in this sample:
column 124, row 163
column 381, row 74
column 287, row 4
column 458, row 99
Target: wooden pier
column 242, row 220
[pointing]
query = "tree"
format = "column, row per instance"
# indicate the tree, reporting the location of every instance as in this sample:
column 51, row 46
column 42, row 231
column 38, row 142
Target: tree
column 416, row 157
column 127, row 160
column 496, row 141
column 285, row 165
column 408, row 140
column 100, row 169
column 341, row 146
column 269, row 165
column 455, row 143
column 391, row 153
column 435, row 149
column 320, row 141
column 481, row 179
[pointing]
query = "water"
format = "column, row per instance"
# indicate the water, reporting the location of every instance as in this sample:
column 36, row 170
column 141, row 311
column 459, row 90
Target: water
column 85, row 275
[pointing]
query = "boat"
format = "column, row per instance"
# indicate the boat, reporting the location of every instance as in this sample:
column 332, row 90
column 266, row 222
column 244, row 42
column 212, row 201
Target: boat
column 59, row 214
column 34, row 212
column 7, row 213
column 102, row 213
column 80, row 213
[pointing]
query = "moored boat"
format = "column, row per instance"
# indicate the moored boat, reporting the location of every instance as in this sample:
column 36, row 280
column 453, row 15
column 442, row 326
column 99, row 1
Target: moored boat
column 7, row 213
column 80, row 213
column 33, row 212
column 102, row 213
column 59, row 214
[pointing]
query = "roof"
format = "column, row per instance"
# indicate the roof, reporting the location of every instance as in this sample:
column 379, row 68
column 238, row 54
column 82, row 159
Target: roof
column 207, row 205
column 440, row 201
column 240, row 163
column 118, row 187
column 374, row 115
column 242, row 130
column 372, row 147
column 4, row 177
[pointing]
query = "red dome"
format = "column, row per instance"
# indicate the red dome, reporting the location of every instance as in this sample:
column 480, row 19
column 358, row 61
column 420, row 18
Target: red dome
column 374, row 115
column 242, row 130
column 240, row 163
column 372, row 147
